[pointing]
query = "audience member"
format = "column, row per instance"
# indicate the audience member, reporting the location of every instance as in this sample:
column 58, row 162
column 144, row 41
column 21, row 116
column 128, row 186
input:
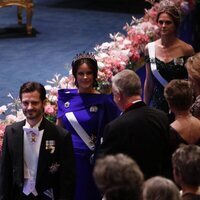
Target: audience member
column 160, row 188
column 186, row 128
column 37, row 158
column 118, row 177
column 85, row 112
column 165, row 57
column 193, row 68
column 140, row 132
column 186, row 169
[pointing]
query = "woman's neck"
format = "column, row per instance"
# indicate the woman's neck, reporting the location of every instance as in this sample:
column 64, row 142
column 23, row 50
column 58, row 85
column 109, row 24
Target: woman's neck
column 182, row 114
column 88, row 91
column 167, row 41
column 191, row 190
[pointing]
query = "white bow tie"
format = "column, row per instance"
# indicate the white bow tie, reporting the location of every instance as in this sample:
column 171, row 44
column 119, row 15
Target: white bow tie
column 31, row 130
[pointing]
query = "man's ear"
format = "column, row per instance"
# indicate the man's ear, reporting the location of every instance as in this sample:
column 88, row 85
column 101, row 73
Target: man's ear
column 45, row 102
column 177, row 175
column 118, row 96
column 122, row 97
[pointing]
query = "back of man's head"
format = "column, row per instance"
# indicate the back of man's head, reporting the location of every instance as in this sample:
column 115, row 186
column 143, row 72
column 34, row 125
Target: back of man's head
column 160, row 188
column 127, row 82
column 186, row 164
column 118, row 177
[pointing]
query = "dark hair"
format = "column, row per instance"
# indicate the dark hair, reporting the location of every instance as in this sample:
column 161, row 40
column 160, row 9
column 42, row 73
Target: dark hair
column 91, row 62
column 31, row 87
column 179, row 94
column 172, row 11
column 118, row 177
column 186, row 164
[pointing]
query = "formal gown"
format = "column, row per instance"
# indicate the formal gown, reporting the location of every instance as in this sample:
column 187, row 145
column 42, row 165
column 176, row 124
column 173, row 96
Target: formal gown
column 92, row 112
column 175, row 140
column 190, row 196
column 174, row 69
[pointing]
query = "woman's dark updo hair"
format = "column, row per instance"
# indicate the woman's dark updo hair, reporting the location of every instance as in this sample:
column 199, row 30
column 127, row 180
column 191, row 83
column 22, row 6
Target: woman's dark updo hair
column 89, row 59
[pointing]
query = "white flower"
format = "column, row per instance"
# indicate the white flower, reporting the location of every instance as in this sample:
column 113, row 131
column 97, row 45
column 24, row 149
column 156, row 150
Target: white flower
column 126, row 42
column 20, row 115
column 3, row 109
column 10, row 95
column 11, row 118
column 105, row 45
column 48, row 87
column 52, row 98
column 101, row 65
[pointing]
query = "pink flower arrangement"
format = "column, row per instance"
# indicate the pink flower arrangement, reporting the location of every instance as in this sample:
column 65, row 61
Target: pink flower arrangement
column 127, row 51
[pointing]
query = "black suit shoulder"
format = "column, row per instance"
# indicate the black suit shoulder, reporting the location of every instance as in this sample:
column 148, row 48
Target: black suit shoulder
column 15, row 125
column 139, row 116
column 141, row 133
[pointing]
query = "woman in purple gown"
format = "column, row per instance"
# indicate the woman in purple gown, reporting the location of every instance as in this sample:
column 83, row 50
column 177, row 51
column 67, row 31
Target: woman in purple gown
column 85, row 112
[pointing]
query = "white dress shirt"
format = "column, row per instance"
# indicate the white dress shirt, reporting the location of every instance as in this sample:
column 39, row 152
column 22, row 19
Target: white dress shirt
column 31, row 155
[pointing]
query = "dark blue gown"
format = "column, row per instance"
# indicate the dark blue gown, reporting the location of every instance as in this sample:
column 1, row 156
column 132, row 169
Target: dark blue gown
column 93, row 112
column 174, row 69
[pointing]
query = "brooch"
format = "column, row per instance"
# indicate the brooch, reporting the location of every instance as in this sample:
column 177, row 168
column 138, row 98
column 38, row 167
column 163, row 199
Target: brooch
column 54, row 167
column 93, row 138
column 152, row 60
column 93, row 109
column 50, row 145
column 179, row 61
column 67, row 104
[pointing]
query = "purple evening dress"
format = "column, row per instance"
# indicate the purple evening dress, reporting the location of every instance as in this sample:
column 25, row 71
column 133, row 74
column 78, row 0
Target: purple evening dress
column 93, row 112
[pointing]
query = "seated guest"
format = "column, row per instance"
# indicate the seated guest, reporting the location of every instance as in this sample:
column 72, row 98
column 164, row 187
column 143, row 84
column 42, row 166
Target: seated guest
column 160, row 188
column 140, row 132
column 185, row 128
column 186, row 170
column 118, row 177
column 193, row 68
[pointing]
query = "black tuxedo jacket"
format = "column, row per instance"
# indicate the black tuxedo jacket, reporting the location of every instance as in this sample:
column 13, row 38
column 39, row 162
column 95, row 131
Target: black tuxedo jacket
column 61, row 180
column 140, row 132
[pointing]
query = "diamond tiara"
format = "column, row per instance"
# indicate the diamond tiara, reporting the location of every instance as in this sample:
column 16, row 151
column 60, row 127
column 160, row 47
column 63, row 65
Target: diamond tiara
column 83, row 55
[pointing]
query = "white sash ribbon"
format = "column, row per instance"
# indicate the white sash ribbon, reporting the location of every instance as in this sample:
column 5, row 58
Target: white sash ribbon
column 151, row 49
column 79, row 130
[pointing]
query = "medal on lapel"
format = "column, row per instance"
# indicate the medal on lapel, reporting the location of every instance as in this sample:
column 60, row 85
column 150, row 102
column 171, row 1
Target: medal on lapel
column 50, row 145
column 54, row 167
column 33, row 137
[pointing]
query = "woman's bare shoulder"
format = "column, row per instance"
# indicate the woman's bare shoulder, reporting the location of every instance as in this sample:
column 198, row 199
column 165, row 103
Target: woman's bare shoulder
column 187, row 48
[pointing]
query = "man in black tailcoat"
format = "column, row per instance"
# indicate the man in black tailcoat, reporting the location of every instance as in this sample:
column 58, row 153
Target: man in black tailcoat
column 140, row 132
column 37, row 160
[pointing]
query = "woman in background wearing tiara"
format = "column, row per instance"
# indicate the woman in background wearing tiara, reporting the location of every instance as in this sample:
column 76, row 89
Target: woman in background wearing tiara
column 165, row 57
column 84, row 112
